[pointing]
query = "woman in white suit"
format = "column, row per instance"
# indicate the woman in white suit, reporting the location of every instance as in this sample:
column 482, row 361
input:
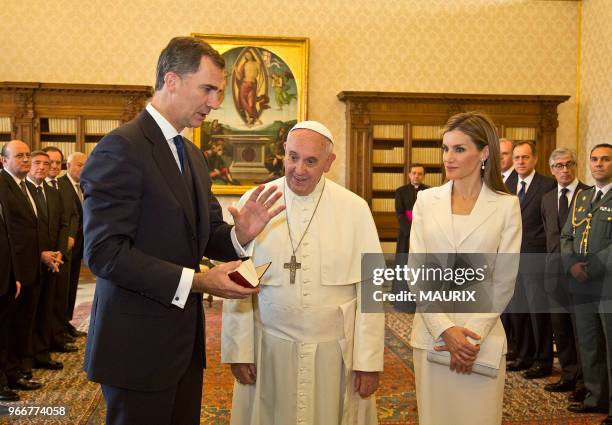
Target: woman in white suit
column 471, row 213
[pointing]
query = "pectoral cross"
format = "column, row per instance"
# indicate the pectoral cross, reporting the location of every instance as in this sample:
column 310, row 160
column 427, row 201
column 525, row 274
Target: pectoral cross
column 293, row 265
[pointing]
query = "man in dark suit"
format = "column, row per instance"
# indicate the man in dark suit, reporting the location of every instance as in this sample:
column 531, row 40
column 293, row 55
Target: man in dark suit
column 505, row 159
column 149, row 217
column 23, row 233
column 556, row 205
column 61, row 340
column 586, row 249
column 508, row 171
column 69, row 184
column 9, row 291
column 532, row 330
column 52, row 241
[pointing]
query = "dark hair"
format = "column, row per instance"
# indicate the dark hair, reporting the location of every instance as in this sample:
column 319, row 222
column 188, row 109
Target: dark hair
column 601, row 145
column 529, row 143
column 4, row 150
column 182, row 56
column 482, row 132
column 38, row 153
column 53, row 149
column 417, row 165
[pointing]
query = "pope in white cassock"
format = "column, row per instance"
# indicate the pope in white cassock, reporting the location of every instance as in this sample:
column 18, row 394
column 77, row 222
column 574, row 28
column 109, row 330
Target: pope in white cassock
column 301, row 350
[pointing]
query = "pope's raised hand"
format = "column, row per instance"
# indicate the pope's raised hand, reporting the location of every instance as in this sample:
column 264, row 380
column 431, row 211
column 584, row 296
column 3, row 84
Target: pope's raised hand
column 217, row 282
column 256, row 213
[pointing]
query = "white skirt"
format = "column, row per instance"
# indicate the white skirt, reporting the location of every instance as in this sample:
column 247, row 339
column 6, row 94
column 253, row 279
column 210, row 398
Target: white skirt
column 446, row 397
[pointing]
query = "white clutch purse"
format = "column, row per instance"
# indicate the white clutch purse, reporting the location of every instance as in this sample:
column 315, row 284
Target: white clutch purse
column 488, row 361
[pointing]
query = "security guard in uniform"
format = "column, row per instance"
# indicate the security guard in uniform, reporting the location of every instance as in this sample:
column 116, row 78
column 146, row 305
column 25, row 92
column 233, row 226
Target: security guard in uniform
column 586, row 243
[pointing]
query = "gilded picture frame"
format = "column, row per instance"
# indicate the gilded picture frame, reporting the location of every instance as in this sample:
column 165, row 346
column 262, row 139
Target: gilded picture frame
column 266, row 92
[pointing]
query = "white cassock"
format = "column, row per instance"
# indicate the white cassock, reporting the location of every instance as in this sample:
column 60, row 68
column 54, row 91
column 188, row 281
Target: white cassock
column 307, row 338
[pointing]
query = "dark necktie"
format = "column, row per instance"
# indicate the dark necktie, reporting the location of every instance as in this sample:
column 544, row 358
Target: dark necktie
column 24, row 189
column 54, row 183
column 598, row 196
column 180, row 149
column 563, row 207
column 41, row 203
column 77, row 189
column 522, row 192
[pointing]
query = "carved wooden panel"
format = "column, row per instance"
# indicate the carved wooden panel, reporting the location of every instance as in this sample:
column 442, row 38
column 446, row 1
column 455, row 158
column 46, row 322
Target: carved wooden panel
column 365, row 110
column 29, row 103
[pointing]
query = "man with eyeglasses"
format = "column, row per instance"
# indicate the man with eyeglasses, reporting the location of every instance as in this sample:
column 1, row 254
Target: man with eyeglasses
column 555, row 211
column 22, row 227
column 586, row 242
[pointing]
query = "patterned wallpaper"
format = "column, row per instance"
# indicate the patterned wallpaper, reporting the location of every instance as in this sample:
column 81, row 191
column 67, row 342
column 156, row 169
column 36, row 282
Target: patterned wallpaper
column 595, row 78
column 472, row 46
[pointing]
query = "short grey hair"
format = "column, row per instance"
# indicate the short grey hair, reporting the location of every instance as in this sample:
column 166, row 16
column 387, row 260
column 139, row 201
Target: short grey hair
column 559, row 152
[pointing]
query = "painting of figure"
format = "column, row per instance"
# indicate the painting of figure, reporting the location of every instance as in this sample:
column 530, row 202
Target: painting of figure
column 264, row 96
column 250, row 86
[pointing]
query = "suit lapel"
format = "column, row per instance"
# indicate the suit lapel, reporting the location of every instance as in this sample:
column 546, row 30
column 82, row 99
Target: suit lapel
column 442, row 213
column 201, row 184
column 531, row 192
column 75, row 196
column 483, row 209
column 165, row 161
column 13, row 187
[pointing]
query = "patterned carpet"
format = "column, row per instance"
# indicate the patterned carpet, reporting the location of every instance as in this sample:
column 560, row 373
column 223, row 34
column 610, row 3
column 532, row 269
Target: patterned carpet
column 525, row 403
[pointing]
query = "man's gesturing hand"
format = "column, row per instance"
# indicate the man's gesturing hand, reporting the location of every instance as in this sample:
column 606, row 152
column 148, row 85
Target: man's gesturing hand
column 255, row 213
column 217, row 282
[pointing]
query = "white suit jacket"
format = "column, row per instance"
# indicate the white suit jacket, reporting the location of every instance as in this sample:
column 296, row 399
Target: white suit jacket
column 494, row 226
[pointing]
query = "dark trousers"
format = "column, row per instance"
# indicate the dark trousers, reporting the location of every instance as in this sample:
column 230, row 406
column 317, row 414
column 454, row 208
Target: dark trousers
column 21, row 350
column 75, row 271
column 43, row 327
column 177, row 405
column 7, row 310
column 542, row 338
column 564, row 329
column 60, row 304
column 594, row 337
column 519, row 323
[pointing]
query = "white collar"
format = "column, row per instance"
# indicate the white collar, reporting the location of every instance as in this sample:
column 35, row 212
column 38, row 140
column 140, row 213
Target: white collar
column 72, row 180
column 527, row 179
column 167, row 129
column 604, row 189
column 570, row 187
column 34, row 183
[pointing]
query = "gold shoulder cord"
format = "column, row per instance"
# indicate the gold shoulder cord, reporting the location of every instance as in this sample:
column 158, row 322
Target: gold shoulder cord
column 584, row 241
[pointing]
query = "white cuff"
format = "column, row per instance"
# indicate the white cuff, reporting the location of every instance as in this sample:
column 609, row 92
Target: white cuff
column 184, row 288
column 241, row 251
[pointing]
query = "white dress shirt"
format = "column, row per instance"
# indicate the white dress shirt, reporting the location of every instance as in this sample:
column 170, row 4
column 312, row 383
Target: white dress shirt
column 570, row 194
column 527, row 180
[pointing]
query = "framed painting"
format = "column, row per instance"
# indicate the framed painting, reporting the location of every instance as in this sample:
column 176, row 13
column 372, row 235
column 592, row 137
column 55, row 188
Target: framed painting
column 265, row 94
